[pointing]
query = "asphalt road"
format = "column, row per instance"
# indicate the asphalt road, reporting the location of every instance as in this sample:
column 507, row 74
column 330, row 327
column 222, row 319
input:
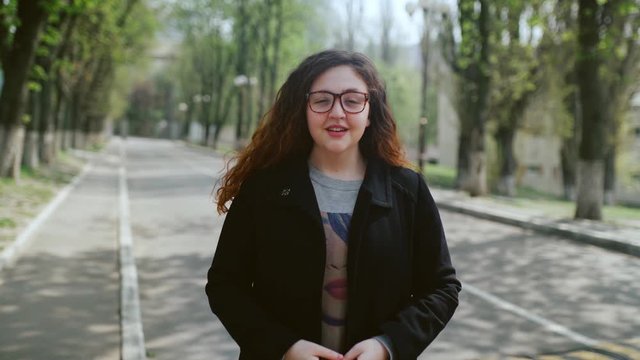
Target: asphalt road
column 584, row 291
column 524, row 293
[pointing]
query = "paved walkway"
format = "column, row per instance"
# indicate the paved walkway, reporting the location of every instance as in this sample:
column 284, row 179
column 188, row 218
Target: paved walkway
column 60, row 300
column 625, row 239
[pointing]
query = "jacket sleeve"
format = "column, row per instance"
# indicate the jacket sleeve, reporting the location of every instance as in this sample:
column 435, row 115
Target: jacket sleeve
column 229, row 286
column 435, row 287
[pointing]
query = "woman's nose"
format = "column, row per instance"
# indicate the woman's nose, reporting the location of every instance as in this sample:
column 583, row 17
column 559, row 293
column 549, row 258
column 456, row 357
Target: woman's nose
column 337, row 110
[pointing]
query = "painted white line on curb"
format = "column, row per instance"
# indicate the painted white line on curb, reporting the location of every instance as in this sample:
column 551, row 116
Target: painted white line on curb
column 547, row 324
column 11, row 252
column 132, row 343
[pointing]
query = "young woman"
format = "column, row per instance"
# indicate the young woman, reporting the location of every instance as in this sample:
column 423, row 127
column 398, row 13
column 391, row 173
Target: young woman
column 332, row 247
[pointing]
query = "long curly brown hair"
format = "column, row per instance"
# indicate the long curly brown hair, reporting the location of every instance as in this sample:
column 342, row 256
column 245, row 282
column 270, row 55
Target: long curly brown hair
column 283, row 132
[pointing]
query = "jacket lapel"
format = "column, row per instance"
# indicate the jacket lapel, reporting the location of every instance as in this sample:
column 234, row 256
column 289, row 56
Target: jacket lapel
column 377, row 181
column 294, row 189
column 374, row 195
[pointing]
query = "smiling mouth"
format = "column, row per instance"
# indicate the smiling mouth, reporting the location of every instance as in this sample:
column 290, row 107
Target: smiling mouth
column 337, row 289
column 336, row 129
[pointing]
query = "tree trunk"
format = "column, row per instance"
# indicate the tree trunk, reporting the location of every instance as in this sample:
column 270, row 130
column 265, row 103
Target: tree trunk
column 594, row 129
column 67, row 123
column 60, row 115
column 47, row 124
column 277, row 40
column 476, row 181
column 16, row 66
column 226, row 107
column 569, row 160
column 422, row 122
column 188, row 118
column 95, row 101
column 251, row 118
column 590, row 185
column 5, row 31
column 205, row 135
column 74, row 120
column 385, row 38
column 241, row 69
column 205, row 113
column 13, row 140
column 264, row 57
column 610, row 176
column 30, row 149
column 474, row 102
column 569, row 149
column 354, row 17
column 216, row 137
column 507, row 183
column 463, row 159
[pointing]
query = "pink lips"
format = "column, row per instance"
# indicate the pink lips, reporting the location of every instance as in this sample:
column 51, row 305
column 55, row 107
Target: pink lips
column 337, row 288
column 336, row 131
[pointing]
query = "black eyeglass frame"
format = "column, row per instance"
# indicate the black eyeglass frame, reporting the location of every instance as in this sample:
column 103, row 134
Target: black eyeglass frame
column 333, row 102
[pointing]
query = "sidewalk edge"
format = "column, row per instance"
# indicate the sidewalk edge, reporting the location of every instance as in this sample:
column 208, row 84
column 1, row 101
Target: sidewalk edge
column 10, row 254
column 545, row 226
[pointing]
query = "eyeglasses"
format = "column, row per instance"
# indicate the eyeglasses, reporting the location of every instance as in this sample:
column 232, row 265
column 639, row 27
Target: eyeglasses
column 352, row 102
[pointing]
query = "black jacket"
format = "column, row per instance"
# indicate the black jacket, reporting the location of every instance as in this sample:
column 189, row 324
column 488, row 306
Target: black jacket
column 265, row 282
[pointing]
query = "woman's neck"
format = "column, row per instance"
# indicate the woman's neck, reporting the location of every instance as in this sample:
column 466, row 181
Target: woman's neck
column 345, row 166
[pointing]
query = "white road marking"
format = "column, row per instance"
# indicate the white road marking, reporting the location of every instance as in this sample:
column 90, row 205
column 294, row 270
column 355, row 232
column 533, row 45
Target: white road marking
column 548, row 324
column 132, row 343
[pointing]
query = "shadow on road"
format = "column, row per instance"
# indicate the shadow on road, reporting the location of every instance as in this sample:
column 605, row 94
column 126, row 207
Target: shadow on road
column 178, row 323
column 56, row 307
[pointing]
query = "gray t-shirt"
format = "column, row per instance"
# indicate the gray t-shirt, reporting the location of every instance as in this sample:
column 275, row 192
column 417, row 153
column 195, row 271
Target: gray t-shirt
column 336, row 199
column 334, row 195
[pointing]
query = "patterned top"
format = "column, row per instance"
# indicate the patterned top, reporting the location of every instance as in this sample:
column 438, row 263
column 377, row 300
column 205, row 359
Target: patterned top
column 336, row 199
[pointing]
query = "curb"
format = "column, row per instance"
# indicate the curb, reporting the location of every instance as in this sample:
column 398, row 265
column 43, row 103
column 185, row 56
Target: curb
column 132, row 336
column 566, row 230
column 10, row 254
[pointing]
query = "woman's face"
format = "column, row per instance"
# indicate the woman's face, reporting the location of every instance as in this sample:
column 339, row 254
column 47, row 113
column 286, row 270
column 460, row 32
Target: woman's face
column 337, row 132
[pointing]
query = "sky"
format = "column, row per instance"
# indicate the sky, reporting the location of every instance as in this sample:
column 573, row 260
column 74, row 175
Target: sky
column 406, row 29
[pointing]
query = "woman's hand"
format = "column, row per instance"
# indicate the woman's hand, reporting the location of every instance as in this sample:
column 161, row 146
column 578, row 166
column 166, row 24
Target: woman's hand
column 370, row 349
column 306, row 350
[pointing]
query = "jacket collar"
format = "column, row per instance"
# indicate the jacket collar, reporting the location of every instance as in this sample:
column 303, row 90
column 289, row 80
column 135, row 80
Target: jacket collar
column 295, row 188
column 377, row 181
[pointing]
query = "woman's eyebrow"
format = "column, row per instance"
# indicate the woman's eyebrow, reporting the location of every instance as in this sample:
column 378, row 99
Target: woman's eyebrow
column 343, row 91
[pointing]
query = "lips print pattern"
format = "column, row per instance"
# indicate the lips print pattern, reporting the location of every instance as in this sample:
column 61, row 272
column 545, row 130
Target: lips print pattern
column 334, row 294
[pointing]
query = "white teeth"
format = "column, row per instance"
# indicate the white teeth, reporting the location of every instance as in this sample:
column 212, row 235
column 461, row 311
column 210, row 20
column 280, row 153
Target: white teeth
column 336, row 129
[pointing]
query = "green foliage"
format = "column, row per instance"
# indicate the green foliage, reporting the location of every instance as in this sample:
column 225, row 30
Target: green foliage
column 7, row 223
column 8, row 11
column 468, row 51
column 514, row 62
column 403, row 92
column 34, row 86
column 212, row 53
column 440, row 176
column 107, row 34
